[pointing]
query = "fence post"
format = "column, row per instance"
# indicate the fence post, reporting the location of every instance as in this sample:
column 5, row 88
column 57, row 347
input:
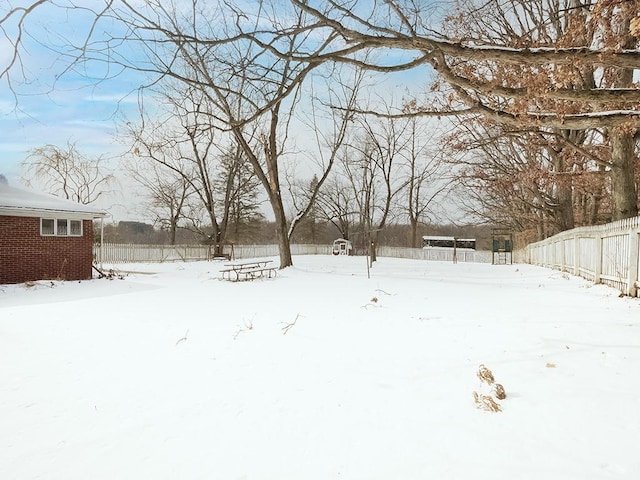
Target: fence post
column 634, row 248
column 598, row 255
column 576, row 255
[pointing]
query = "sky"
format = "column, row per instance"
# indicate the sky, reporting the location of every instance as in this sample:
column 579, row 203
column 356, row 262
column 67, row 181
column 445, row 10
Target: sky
column 78, row 116
column 319, row 373
column 75, row 108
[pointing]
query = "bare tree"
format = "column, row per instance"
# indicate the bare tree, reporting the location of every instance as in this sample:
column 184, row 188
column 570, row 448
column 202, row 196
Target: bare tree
column 373, row 171
column 506, row 177
column 167, row 193
column 203, row 162
column 330, row 121
column 389, row 171
column 337, row 204
column 236, row 186
column 13, row 30
column 67, row 173
column 427, row 178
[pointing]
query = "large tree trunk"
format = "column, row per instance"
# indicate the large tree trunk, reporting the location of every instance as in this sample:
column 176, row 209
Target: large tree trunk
column 597, row 198
column 282, row 232
column 269, row 178
column 624, row 195
column 172, row 232
column 565, row 215
column 373, row 254
column 414, row 232
column 273, row 187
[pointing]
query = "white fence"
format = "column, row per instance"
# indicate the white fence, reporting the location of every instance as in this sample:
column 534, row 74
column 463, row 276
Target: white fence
column 608, row 254
column 132, row 253
column 135, row 253
column 435, row 254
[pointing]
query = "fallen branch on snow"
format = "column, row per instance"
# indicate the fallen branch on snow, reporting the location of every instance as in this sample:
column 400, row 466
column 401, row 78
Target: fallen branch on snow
column 287, row 326
column 183, row 339
column 247, row 326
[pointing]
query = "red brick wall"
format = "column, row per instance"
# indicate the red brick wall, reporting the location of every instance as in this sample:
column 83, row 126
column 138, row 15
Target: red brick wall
column 25, row 255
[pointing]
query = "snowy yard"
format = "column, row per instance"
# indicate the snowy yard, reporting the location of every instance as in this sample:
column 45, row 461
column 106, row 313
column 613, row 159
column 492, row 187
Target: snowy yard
column 319, row 373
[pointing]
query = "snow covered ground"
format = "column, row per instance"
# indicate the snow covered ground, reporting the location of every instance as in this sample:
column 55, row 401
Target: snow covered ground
column 320, row 373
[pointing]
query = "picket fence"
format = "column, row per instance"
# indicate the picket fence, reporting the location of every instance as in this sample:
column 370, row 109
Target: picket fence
column 435, row 254
column 139, row 253
column 608, row 254
column 115, row 253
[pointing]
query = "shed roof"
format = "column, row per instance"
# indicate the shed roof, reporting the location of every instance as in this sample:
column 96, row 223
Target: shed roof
column 20, row 202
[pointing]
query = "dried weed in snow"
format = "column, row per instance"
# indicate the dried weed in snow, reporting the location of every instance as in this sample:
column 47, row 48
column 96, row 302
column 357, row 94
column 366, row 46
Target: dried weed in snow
column 498, row 391
column 485, row 375
column 486, row 402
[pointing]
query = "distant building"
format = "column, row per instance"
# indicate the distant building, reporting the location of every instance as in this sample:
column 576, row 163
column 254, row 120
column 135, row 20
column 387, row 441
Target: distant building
column 448, row 242
column 43, row 236
column 342, row 247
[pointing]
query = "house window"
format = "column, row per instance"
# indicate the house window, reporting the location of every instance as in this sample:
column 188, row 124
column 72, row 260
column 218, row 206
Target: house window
column 47, row 226
column 60, row 227
column 75, row 228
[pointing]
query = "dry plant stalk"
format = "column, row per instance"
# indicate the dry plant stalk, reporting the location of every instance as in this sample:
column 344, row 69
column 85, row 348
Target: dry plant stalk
column 485, row 402
column 485, row 375
column 288, row 326
column 385, row 293
column 183, row 339
column 247, row 326
column 372, row 303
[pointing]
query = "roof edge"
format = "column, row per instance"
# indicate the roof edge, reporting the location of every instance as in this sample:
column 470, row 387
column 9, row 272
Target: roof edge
column 44, row 212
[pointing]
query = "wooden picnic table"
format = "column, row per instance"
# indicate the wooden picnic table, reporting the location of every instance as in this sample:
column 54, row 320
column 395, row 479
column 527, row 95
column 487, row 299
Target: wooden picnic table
column 248, row 270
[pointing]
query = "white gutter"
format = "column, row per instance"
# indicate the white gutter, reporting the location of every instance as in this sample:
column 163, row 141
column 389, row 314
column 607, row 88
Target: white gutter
column 46, row 212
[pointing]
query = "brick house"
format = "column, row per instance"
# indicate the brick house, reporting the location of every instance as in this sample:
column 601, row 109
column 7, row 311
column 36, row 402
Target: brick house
column 44, row 237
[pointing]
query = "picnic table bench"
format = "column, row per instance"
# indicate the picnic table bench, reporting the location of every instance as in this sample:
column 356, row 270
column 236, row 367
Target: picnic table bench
column 249, row 270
